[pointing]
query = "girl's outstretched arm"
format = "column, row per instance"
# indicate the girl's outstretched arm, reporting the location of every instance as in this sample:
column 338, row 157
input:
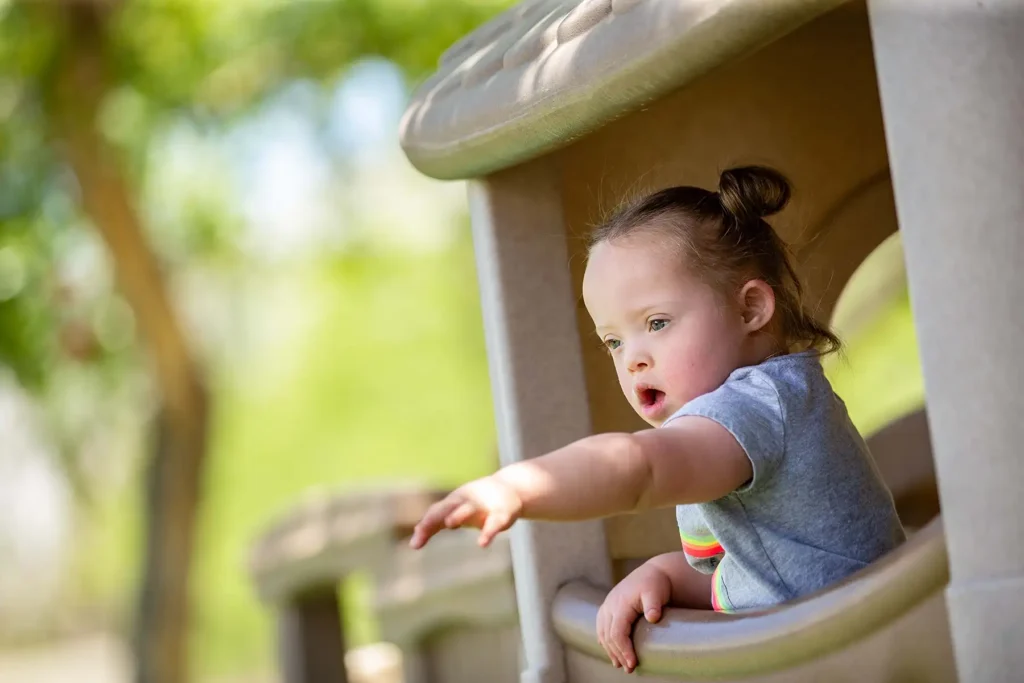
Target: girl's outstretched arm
column 694, row 459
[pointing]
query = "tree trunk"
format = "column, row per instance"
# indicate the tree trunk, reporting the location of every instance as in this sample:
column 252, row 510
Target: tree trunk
column 175, row 469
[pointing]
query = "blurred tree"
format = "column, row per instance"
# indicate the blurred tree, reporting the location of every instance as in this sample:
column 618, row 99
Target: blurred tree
column 84, row 84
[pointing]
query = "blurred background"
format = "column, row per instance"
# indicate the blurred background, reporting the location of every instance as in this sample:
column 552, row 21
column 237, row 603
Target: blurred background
column 222, row 287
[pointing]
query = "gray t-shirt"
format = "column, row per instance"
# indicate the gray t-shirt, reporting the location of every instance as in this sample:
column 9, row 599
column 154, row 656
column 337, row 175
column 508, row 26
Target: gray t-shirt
column 815, row 510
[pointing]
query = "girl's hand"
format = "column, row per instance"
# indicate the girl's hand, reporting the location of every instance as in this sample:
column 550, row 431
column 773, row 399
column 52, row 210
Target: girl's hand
column 488, row 504
column 643, row 593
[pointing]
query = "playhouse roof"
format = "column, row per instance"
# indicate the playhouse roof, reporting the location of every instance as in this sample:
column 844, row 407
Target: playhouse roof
column 547, row 71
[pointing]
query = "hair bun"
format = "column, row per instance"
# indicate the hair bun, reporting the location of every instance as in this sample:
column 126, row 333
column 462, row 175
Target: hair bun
column 752, row 192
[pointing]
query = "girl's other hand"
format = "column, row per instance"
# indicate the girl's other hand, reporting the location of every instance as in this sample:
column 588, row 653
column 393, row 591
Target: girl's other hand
column 488, row 504
column 643, row 593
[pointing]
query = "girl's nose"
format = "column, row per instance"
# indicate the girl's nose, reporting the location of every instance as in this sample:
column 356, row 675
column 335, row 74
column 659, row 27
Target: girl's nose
column 639, row 360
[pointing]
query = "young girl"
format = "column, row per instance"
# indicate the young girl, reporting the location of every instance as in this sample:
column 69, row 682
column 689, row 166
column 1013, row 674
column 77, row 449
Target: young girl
column 694, row 297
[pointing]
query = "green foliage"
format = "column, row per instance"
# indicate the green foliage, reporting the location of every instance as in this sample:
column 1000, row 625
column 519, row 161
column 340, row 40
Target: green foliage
column 22, row 346
column 28, row 41
column 217, row 59
column 27, row 167
column 27, row 318
column 27, row 321
column 172, row 60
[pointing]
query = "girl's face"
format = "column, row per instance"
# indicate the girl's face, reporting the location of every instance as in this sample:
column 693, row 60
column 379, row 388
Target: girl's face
column 672, row 337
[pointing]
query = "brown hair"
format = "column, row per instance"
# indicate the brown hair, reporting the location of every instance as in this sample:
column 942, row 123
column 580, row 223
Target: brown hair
column 725, row 238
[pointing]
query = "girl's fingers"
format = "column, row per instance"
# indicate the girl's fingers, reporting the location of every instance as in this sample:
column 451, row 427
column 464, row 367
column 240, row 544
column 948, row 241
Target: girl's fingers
column 460, row 515
column 613, row 642
column 602, row 636
column 599, row 625
column 493, row 525
column 433, row 521
column 651, row 606
column 620, row 634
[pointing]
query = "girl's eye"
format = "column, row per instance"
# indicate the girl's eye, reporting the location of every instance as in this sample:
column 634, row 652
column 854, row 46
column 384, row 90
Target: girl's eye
column 612, row 344
column 657, row 324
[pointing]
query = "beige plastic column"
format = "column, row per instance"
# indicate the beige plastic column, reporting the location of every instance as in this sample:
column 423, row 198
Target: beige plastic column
column 540, row 395
column 952, row 84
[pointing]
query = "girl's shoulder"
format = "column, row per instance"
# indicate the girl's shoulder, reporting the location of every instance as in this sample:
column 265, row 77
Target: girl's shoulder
column 790, row 373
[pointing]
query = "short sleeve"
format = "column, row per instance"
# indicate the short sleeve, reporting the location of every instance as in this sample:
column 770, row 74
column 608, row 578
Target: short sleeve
column 748, row 406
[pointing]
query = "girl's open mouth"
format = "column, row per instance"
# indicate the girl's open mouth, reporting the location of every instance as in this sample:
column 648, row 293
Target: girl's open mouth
column 651, row 400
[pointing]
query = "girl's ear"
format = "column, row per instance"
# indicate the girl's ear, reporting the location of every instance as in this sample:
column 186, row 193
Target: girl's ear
column 757, row 304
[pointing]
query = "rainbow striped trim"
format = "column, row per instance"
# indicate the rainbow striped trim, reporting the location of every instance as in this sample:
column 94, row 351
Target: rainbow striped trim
column 718, row 599
column 701, row 547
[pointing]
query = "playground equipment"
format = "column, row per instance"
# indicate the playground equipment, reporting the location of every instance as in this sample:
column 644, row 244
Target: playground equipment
column 558, row 109
column 450, row 610
column 298, row 564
